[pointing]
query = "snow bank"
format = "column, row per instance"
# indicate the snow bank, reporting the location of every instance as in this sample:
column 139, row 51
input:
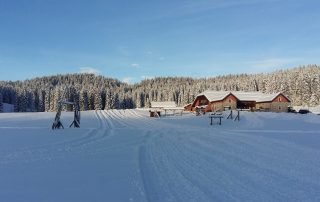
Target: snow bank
column 315, row 110
column 8, row 107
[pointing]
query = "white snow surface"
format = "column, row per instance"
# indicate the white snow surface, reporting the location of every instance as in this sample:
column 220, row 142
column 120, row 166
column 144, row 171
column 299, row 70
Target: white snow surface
column 124, row 155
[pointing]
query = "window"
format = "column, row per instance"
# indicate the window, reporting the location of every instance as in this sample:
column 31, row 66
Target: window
column 279, row 99
column 229, row 100
column 203, row 102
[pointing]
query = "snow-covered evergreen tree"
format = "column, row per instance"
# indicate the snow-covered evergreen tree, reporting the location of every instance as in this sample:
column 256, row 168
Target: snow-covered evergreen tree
column 41, row 106
column 57, row 96
column 23, row 101
column 84, row 101
column 1, row 103
column 109, row 99
column 47, row 101
column 91, row 100
column 97, row 100
column 116, row 101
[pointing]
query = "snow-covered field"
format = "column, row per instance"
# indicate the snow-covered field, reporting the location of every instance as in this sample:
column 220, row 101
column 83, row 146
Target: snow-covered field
column 123, row 155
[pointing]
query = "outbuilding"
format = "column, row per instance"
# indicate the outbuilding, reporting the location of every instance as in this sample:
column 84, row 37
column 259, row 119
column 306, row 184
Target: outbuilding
column 162, row 105
column 188, row 107
column 168, row 108
column 276, row 103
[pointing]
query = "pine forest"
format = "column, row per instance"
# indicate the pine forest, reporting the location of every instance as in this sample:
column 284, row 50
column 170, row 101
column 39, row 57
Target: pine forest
column 301, row 85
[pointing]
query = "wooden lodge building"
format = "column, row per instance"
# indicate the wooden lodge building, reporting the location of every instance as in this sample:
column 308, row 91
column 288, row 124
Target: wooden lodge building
column 210, row 101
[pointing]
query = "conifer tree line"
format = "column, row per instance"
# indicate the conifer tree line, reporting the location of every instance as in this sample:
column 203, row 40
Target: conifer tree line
column 301, row 85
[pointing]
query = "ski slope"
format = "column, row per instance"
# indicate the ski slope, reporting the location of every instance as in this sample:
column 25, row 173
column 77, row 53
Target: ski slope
column 124, row 155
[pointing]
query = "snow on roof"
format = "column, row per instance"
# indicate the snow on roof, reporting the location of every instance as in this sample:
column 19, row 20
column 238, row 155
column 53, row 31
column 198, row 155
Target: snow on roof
column 215, row 95
column 241, row 95
column 247, row 96
column 254, row 96
column 201, row 107
column 163, row 104
column 173, row 108
column 268, row 97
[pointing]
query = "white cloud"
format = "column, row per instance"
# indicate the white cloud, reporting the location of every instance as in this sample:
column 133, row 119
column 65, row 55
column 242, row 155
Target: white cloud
column 200, row 6
column 147, row 77
column 185, row 8
column 123, row 50
column 128, row 80
column 272, row 63
column 89, row 70
column 135, row 65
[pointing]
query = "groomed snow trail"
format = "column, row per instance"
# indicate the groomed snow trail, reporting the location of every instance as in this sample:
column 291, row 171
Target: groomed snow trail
column 124, row 155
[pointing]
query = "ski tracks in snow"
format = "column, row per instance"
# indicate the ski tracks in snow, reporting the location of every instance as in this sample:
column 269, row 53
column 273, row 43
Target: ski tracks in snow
column 224, row 165
column 91, row 142
column 163, row 178
column 79, row 145
column 173, row 163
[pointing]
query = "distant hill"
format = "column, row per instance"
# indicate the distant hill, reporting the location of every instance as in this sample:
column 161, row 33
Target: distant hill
column 301, row 84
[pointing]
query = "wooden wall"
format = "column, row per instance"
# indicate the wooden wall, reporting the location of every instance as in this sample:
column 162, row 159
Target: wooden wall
column 229, row 101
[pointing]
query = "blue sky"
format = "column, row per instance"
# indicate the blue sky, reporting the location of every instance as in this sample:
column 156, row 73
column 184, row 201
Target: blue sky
column 131, row 40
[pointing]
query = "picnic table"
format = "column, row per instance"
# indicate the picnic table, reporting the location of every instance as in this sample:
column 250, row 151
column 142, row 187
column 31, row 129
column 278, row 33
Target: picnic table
column 215, row 116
